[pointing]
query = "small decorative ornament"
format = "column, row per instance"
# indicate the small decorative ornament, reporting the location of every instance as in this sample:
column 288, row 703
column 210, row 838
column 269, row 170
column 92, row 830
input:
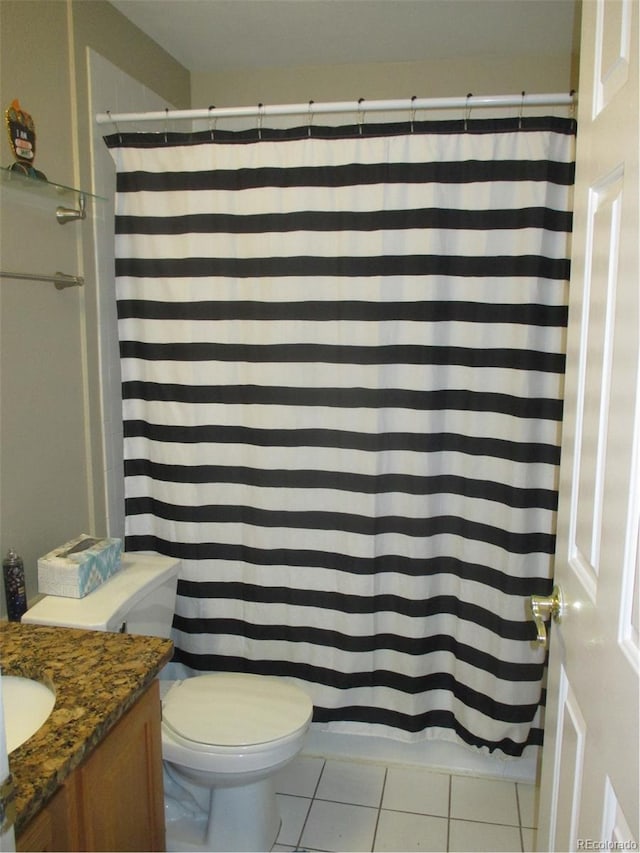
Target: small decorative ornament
column 22, row 138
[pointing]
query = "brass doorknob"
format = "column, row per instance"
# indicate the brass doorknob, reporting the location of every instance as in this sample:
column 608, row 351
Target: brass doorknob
column 544, row 608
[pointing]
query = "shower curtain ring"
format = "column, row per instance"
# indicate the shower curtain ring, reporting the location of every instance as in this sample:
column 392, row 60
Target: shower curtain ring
column 260, row 113
column 521, row 110
column 166, row 123
column 467, row 110
column 115, row 124
column 310, row 119
column 360, row 115
column 412, row 112
column 212, row 122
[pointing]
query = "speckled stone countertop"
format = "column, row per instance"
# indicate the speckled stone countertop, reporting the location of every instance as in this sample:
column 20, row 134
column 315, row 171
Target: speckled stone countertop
column 97, row 677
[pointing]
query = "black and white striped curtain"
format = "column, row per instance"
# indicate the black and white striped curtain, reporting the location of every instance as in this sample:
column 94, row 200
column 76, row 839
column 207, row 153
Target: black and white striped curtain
column 342, row 357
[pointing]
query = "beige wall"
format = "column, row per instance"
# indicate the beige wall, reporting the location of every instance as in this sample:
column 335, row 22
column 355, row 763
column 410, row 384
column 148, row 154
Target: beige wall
column 430, row 78
column 50, row 476
column 512, row 71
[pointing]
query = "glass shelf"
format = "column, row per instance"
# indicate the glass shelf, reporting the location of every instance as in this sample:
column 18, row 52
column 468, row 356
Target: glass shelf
column 44, row 189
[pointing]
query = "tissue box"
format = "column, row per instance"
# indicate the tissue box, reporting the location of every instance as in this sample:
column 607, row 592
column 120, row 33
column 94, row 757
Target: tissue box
column 75, row 569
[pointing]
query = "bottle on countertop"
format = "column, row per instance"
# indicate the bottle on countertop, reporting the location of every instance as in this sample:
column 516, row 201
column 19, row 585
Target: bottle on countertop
column 14, row 586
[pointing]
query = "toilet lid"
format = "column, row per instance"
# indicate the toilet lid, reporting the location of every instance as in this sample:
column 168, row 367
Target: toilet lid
column 234, row 709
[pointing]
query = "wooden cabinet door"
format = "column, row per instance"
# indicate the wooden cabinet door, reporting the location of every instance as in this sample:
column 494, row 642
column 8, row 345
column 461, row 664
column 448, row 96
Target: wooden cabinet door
column 119, row 787
column 53, row 829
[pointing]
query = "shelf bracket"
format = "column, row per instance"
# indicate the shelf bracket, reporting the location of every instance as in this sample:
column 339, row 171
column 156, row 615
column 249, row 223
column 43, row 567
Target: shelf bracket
column 71, row 214
column 60, row 279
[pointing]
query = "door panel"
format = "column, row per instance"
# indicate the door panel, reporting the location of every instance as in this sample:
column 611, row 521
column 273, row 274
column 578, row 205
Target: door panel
column 596, row 348
column 590, row 771
column 612, row 50
column 569, row 762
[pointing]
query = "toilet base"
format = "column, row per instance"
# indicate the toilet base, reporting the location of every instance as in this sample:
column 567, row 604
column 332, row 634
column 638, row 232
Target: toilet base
column 241, row 819
column 186, row 835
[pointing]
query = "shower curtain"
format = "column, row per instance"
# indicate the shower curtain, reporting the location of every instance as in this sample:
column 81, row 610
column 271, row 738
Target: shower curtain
column 342, row 362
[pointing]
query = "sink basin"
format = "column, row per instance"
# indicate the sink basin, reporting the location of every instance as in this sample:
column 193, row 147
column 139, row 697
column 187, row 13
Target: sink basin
column 27, row 705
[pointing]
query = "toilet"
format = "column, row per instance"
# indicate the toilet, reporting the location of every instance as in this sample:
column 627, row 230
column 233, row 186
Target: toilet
column 224, row 734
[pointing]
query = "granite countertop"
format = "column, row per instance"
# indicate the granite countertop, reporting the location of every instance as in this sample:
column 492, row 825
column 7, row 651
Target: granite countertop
column 97, row 676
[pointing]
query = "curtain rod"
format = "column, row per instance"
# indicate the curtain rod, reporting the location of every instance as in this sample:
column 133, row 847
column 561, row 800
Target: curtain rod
column 360, row 107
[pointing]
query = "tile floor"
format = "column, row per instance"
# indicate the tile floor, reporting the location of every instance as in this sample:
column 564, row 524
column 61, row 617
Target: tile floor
column 340, row 806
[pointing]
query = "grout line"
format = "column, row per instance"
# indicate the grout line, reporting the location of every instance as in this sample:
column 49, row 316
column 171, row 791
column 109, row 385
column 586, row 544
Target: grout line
column 311, row 799
column 449, row 811
column 304, row 825
column 315, row 790
column 346, row 802
column 487, row 822
column 375, row 830
column 409, row 811
column 519, row 819
column 518, row 806
column 384, row 785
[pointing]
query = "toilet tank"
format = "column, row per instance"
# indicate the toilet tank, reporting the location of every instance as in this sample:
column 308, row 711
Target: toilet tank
column 138, row 599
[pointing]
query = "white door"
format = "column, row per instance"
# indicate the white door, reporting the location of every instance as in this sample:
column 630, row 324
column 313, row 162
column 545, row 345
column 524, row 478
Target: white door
column 589, row 792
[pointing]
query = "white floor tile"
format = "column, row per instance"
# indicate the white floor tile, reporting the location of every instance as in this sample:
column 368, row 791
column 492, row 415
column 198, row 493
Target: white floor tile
column 339, row 827
column 300, row 777
column 489, row 800
column 528, row 802
column 351, row 782
column 409, row 789
column 293, row 811
column 335, row 804
column 468, row 837
column 409, row 832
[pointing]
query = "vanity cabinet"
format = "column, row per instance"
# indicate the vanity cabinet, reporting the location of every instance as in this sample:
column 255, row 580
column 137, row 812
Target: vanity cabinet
column 114, row 799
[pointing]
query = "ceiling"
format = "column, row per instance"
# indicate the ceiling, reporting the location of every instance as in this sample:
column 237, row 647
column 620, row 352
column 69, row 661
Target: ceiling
column 216, row 35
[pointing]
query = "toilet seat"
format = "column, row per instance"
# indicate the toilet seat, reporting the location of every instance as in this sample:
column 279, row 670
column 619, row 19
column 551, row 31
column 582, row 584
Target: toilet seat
column 234, row 711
